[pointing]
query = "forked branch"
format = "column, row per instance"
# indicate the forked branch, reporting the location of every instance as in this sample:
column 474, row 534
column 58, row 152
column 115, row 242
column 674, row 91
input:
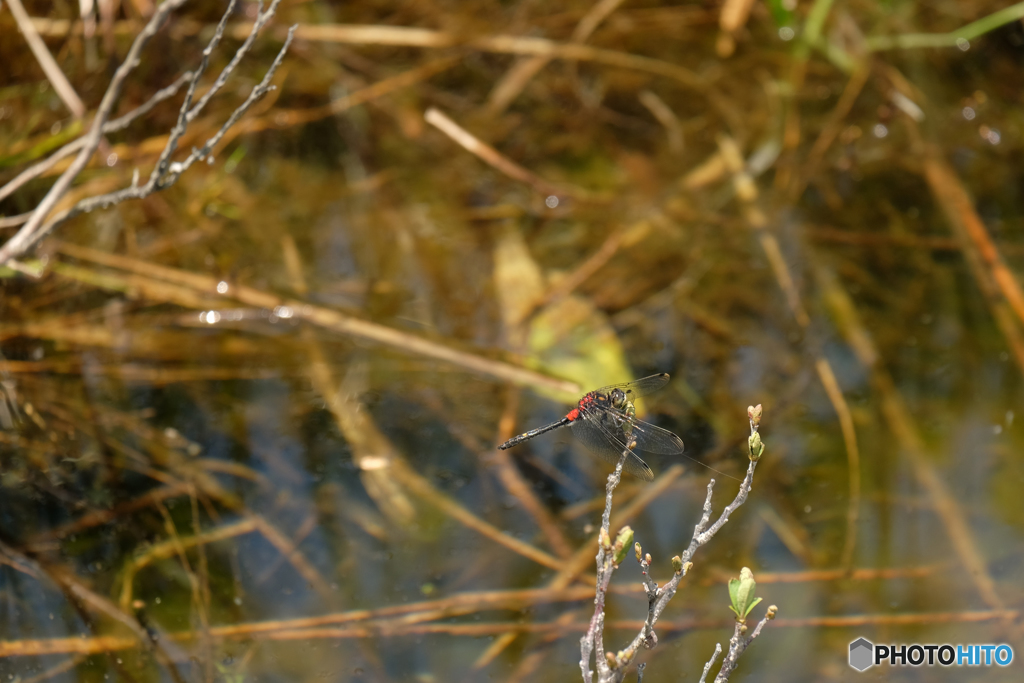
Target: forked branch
column 166, row 172
column 612, row 667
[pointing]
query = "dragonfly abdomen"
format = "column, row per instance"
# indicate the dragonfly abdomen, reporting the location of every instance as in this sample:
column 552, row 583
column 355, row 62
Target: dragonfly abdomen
column 536, row 432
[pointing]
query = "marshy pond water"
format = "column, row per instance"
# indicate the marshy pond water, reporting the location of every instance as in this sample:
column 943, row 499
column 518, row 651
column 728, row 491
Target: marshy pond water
column 249, row 422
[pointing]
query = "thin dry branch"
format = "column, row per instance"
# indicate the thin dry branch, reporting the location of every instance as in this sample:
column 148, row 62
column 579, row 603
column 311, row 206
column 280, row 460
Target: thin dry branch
column 53, row 73
column 738, row 643
column 581, row 560
column 29, row 233
column 613, row 667
column 70, row 148
column 570, row 570
column 165, row 173
column 711, row 662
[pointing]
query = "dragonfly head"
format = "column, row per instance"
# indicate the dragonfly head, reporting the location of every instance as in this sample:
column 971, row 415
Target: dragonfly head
column 618, row 398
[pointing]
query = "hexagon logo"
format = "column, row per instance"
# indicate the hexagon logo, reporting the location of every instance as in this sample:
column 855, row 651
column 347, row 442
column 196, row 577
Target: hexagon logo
column 861, row 654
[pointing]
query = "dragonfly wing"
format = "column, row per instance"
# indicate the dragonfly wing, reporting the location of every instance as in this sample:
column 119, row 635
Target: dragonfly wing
column 634, row 464
column 637, row 467
column 603, row 437
column 647, row 436
column 655, row 439
column 639, row 387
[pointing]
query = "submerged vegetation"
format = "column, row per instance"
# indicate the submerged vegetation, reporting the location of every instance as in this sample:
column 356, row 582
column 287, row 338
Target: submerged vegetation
column 248, row 419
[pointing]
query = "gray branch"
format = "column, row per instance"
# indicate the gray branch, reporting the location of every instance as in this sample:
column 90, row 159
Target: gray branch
column 30, row 232
column 711, row 662
column 613, row 668
column 114, row 126
column 165, row 173
column 737, row 644
column 593, row 639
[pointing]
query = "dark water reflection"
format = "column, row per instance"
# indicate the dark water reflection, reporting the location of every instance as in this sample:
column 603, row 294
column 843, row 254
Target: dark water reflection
column 257, row 492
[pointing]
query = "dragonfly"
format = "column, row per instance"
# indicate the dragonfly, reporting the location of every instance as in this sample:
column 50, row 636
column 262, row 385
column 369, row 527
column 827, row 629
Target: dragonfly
column 605, row 422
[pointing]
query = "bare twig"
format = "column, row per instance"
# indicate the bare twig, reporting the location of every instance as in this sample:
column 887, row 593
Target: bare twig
column 571, row 569
column 31, row 232
column 53, row 73
column 593, row 639
column 613, row 667
column 14, row 221
column 117, row 124
column 711, row 662
column 579, row 562
column 165, row 173
column 737, row 644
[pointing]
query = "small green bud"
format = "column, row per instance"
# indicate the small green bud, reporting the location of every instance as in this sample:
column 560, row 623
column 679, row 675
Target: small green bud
column 622, row 543
column 741, row 593
column 638, row 551
column 756, row 447
column 612, row 662
column 754, row 413
column 677, row 564
column 604, row 540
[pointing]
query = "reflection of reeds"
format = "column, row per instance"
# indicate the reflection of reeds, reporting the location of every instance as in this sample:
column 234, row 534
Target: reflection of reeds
column 421, row 617
column 999, row 285
column 200, row 292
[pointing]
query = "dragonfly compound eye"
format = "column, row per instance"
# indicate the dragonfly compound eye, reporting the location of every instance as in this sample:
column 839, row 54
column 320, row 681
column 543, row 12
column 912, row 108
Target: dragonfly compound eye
column 618, row 398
